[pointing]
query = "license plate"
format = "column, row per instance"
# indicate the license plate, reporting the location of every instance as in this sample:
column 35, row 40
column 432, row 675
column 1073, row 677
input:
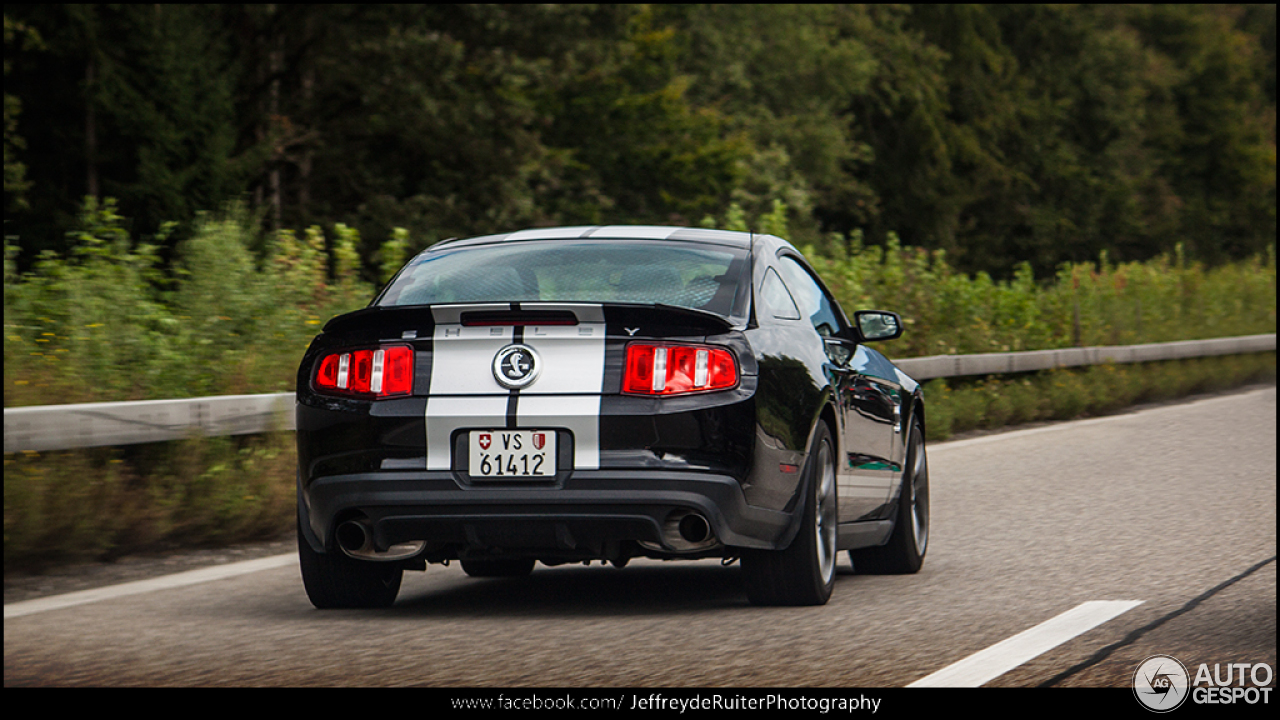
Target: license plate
column 512, row 453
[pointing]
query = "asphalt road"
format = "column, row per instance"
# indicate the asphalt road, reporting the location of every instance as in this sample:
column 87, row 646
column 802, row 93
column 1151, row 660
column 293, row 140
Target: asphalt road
column 1173, row 506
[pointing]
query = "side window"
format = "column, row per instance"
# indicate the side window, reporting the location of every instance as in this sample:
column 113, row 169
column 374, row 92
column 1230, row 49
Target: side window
column 813, row 302
column 775, row 299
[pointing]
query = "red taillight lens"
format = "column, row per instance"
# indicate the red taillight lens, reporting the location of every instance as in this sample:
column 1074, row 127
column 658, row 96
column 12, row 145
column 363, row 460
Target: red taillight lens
column 383, row 372
column 397, row 371
column 361, row 371
column 674, row 369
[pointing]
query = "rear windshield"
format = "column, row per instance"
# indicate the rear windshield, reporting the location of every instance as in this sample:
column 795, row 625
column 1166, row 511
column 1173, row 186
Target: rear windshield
column 701, row 277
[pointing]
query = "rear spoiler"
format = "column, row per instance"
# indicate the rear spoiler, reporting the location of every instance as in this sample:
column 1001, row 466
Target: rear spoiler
column 691, row 321
column 377, row 321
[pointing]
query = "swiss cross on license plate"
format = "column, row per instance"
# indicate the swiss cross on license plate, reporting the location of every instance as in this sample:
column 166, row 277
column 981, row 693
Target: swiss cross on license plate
column 512, row 453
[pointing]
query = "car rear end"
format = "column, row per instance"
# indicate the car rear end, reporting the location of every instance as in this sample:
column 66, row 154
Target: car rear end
column 558, row 398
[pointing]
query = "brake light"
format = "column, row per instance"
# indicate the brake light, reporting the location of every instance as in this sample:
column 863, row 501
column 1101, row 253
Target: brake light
column 383, row 372
column 675, row 369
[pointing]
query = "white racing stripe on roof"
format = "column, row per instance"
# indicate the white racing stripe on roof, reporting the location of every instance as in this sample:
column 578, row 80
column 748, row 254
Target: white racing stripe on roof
column 636, row 232
column 548, row 233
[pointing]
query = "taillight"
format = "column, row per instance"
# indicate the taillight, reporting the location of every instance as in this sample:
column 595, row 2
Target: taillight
column 383, row 372
column 674, row 369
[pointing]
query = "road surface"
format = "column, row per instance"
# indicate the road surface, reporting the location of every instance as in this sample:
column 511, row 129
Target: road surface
column 1128, row 536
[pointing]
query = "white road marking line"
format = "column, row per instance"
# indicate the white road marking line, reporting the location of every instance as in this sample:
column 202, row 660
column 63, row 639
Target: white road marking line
column 986, row 665
column 182, row 579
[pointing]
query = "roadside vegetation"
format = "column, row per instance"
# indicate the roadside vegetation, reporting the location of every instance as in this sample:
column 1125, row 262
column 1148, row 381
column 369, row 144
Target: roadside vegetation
column 103, row 323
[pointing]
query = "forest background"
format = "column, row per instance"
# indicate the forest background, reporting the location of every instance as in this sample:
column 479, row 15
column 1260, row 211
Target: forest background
column 191, row 191
column 1000, row 134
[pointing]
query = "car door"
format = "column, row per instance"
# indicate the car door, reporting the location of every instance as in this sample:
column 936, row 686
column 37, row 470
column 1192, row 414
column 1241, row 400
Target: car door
column 867, row 401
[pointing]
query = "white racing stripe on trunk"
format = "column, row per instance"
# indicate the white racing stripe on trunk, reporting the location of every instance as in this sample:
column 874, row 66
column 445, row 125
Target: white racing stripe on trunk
column 572, row 359
column 461, row 369
column 462, row 357
column 580, row 414
column 464, row 393
column 446, row 414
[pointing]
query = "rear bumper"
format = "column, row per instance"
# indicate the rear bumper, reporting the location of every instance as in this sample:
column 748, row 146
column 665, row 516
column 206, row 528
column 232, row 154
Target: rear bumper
column 399, row 467
column 589, row 509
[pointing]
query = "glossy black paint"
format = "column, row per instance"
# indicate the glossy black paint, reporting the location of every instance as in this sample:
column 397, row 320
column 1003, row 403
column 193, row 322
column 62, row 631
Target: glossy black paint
column 731, row 455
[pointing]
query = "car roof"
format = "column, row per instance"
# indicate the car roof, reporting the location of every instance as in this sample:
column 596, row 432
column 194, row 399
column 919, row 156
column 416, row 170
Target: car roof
column 611, row 232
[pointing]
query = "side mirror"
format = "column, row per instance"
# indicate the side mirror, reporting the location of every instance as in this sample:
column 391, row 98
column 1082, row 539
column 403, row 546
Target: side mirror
column 877, row 325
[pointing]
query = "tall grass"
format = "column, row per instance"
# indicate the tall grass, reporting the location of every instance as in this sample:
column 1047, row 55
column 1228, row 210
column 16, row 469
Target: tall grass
column 1086, row 304
column 106, row 324
column 957, row 405
column 101, row 503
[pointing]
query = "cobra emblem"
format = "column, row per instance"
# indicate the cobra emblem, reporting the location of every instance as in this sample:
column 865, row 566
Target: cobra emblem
column 516, row 366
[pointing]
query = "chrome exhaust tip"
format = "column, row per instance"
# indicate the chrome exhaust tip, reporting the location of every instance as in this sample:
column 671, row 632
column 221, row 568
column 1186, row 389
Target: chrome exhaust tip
column 694, row 528
column 355, row 539
column 686, row 531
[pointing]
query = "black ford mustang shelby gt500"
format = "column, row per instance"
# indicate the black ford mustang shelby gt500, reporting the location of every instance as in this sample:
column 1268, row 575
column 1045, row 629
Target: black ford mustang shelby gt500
column 573, row 394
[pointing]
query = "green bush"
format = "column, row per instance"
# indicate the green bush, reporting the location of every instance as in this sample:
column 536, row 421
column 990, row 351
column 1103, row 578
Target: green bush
column 1086, row 304
column 106, row 324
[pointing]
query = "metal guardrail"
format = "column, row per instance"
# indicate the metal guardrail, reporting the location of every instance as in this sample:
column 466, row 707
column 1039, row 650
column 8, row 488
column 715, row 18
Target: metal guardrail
column 63, row 427
column 938, row 366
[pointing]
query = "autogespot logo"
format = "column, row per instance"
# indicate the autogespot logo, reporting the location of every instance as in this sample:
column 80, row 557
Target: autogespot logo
column 1160, row 683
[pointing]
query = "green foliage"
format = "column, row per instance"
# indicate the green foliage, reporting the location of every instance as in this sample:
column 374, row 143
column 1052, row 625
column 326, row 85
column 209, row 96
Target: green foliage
column 103, row 324
column 948, row 312
column 106, row 324
column 15, row 182
column 393, row 255
column 90, row 325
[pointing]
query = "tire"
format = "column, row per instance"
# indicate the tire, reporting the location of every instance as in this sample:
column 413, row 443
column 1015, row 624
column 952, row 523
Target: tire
column 333, row 580
column 504, row 567
column 904, row 553
column 805, row 572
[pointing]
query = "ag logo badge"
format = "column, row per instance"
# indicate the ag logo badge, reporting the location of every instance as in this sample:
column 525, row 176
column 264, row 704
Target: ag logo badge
column 516, row 366
column 1161, row 683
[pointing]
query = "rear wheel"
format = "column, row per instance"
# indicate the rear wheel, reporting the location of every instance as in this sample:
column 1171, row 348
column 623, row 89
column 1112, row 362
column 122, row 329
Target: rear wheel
column 805, row 572
column 504, row 567
column 333, row 580
column 904, row 553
